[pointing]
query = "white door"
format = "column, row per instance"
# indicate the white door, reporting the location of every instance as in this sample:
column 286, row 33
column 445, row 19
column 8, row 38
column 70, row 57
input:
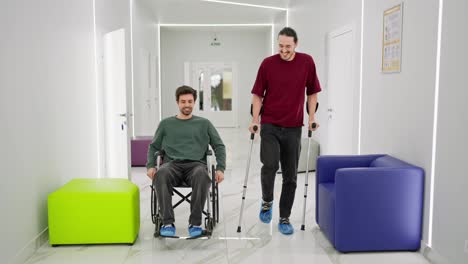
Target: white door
column 341, row 122
column 216, row 86
column 115, row 105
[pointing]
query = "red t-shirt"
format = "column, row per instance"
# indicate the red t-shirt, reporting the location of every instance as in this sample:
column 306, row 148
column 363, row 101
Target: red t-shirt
column 282, row 84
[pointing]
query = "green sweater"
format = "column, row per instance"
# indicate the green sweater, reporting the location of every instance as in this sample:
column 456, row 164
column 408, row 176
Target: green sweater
column 187, row 139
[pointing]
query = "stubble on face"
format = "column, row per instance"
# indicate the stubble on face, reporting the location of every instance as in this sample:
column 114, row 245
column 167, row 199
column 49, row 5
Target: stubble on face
column 186, row 103
column 286, row 47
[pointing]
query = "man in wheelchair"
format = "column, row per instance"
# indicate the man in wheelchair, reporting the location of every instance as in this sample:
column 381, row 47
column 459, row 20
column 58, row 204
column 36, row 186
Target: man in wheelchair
column 184, row 139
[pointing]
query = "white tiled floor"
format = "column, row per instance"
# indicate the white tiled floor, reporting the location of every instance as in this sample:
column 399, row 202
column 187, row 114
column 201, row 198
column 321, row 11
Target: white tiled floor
column 258, row 242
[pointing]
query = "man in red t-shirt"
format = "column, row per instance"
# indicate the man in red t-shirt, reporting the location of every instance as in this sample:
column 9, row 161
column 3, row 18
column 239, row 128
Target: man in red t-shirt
column 282, row 82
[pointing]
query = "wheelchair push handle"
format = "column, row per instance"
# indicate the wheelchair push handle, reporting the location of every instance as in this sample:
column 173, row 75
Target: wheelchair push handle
column 159, row 157
column 252, row 135
column 161, row 153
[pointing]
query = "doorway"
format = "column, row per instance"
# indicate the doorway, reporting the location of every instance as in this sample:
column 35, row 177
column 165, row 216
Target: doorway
column 115, row 106
column 341, row 112
column 216, row 87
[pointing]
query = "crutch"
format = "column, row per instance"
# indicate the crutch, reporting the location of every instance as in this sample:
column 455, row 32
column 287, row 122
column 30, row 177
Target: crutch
column 314, row 125
column 252, row 136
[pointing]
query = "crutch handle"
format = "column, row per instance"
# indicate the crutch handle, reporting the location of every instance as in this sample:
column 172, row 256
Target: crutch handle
column 252, row 135
column 314, row 125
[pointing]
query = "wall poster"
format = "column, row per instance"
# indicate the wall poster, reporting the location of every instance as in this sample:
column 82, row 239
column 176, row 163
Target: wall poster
column 391, row 42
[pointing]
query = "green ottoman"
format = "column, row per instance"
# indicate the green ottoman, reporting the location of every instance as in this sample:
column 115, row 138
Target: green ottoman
column 94, row 211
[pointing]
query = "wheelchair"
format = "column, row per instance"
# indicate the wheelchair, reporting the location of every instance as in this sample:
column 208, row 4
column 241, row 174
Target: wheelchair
column 211, row 212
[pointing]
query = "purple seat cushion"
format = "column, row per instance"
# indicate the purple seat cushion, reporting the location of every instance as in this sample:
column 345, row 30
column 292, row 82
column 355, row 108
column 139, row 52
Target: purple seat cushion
column 139, row 148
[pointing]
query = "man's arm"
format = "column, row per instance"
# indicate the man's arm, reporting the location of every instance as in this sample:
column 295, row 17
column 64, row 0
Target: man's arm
column 313, row 87
column 312, row 103
column 258, row 91
column 154, row 147
column 218, row 146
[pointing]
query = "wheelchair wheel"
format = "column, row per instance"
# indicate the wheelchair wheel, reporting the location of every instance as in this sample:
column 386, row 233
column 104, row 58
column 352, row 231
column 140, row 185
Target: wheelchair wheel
column 209, row 225
column 213, row 194
column 216, row 219
column 155, row 216
column 154, row 205
column 157, row 226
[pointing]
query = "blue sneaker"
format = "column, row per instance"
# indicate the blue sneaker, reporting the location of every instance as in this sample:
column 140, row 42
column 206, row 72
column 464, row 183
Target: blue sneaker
column 266, row 211
column 195, row 231
column 285, row 227
column 167, row 230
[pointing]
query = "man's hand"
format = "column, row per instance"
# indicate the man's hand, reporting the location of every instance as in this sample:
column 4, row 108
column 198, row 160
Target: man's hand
column 310, row 125
column 151, row 173
column 252, row 125
column 219, row 176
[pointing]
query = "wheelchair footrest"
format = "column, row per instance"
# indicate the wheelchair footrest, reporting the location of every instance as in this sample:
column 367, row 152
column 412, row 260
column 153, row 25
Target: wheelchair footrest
column 204, row 234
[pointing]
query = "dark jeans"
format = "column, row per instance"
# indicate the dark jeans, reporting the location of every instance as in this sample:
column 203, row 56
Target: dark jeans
column 280, row 144
column 175, row 173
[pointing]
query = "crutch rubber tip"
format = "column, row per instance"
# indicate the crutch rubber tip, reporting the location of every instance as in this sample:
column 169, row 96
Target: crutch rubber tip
column 238, row 229
column 302, row 227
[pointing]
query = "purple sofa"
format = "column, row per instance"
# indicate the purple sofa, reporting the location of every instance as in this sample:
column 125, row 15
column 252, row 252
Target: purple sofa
column 139, row 148
column 369, row 202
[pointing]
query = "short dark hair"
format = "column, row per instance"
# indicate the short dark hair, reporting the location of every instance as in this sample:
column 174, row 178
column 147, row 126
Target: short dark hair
column 287, row 31
column 184, row 89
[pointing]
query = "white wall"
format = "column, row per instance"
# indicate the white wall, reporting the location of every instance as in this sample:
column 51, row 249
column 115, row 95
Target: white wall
column 313, row 20
column 247, row 47
column 47, row 111
column 398, row 109
column 279, row 23
column 450, row 227
column 144, row 41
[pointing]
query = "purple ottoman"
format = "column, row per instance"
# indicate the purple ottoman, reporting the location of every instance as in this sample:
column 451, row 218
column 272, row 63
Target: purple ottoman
column 140, row 150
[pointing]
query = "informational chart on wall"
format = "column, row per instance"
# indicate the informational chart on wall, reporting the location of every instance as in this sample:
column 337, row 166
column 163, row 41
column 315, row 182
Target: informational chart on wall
column 391, row 42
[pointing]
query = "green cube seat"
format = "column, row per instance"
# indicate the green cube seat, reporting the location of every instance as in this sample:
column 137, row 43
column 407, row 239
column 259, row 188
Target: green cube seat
column 94, row 211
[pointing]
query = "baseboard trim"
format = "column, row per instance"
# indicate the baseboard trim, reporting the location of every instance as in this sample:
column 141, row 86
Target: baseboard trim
column 31, row 247
column 432, row 255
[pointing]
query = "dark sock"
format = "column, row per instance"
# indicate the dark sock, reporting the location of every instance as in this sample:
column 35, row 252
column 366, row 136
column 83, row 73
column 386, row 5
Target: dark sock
column 266, row 205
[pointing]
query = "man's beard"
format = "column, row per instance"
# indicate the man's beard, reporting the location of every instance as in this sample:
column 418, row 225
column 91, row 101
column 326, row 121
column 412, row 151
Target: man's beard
column 186, row 111
column 286, row 56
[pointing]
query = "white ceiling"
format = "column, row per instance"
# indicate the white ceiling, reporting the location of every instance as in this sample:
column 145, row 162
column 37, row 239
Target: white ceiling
column 202, row 12
column 275, row 3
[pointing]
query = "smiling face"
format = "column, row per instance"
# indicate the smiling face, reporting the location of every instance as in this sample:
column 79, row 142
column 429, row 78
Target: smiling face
column 186, row 103
column 286, row 47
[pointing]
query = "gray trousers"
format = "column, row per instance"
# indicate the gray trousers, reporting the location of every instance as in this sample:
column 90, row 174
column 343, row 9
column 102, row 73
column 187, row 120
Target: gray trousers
column 176, row 173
